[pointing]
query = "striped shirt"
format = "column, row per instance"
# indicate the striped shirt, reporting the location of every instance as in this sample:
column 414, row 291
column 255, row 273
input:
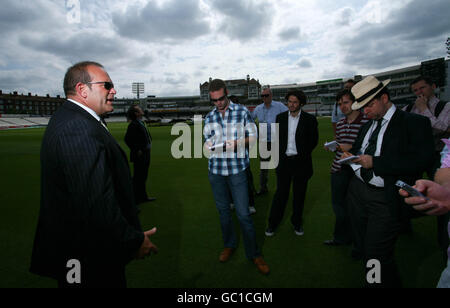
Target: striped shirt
column 237, row 124
column 346, row 133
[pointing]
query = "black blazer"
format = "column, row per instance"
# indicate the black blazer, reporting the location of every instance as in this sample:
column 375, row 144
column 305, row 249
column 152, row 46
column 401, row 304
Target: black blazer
column 137, row 138
column 406, row 152
column 88, row 212
column 306, row 138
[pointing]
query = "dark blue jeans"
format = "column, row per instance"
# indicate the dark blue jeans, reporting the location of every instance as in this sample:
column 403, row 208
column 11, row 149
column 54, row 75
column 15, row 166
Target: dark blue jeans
column 237, row 185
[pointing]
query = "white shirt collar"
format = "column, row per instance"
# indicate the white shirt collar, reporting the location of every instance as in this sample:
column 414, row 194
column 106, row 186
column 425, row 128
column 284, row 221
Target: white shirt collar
column 89, row 110
column 390, row 113
column 298, row 115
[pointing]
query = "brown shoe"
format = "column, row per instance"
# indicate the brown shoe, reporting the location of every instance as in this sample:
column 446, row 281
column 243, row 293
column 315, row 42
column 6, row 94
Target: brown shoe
column 226, row 254
column 262, row 266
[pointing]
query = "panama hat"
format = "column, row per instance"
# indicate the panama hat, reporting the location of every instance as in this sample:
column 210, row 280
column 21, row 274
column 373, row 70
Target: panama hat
column 365, row 90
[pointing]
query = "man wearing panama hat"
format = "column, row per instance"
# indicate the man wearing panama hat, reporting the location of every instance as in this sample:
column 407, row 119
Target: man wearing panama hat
column 393, row 145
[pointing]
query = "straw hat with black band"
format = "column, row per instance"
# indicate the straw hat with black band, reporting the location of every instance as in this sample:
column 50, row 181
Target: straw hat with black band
column 365, row 90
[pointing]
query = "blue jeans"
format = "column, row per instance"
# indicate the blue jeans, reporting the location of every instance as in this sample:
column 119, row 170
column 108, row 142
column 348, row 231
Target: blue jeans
column 236, row 184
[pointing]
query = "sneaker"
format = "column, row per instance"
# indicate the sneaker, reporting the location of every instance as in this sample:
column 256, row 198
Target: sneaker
column 299, row 231
column 252, row 210
column 270, row 232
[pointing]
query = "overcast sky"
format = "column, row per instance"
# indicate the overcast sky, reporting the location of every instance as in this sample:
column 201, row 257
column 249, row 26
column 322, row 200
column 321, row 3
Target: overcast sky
column 174, row 45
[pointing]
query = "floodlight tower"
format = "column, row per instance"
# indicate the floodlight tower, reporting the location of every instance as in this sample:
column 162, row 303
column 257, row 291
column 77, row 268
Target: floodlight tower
column 138, row 88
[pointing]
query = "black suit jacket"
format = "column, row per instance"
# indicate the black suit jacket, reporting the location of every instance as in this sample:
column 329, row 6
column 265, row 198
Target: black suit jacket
column 406, row 152
column 306, row 139
column 137, row 138
column 88, row 212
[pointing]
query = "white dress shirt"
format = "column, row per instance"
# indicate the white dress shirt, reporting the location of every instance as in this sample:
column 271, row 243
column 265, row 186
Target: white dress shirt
column 89, row 110
column 376, row 180
column 292, row 129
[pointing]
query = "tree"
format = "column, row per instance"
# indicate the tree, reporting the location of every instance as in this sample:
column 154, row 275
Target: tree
column 448, row 46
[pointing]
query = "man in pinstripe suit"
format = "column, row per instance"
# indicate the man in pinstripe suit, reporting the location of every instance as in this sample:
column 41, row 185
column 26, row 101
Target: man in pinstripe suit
column 88, row 212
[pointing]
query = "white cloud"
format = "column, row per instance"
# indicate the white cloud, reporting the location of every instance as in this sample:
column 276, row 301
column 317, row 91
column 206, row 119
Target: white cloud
column 174, row 45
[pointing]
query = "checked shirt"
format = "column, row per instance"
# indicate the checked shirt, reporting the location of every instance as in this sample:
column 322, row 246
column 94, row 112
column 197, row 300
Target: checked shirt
column 237, row 124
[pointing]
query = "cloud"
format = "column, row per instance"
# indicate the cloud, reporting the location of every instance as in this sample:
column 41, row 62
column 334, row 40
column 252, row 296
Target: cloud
column 78, row 47
column 244, row 19
column 407, row 35
column 345, row 16
column 292, row 33
column 304, row 63
column 17, row 15
column 172, row 22
column 174, row 45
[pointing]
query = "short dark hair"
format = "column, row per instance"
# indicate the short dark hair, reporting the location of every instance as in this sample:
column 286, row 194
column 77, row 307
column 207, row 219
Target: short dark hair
column 77, row 73
column 216, row 85
column 351, row 81
column 131, row 113
column 427, row 80
column 234, row 99
column 343, row 93
column 299, row 94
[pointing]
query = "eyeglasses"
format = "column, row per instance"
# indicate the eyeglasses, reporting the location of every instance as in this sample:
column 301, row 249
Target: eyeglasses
column 108, row 85
column 220, row 99
column 265, row 95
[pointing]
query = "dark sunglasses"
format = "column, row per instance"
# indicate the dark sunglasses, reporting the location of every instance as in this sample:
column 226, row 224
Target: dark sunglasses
column 220, row 99
column 108, row 85
column 265, row 95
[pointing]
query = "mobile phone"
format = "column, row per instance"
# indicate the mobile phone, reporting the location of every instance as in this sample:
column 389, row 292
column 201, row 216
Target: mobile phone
column 410, row 190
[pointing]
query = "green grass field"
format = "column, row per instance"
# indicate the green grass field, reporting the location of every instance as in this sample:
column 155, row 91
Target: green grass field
column 189, row 236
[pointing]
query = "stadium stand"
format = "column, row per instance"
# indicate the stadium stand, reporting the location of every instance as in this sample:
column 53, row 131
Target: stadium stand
column 39, row 121
column 22, row 122
column 116, row 119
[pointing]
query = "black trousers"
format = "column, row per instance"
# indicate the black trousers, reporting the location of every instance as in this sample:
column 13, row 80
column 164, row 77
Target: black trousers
column 339, row 185
column 251, row 187
column 141, row 165
column 375, row 230
column 289, row 173
column 264, row 173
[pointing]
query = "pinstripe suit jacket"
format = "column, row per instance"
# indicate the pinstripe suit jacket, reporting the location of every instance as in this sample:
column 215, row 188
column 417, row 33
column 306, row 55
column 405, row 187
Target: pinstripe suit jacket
column 88, row 212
